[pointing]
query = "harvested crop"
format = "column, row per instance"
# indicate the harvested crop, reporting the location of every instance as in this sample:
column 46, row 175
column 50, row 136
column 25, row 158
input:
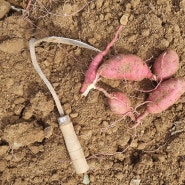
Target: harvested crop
column 167, row 94
column 128, row 67
column 166, row 65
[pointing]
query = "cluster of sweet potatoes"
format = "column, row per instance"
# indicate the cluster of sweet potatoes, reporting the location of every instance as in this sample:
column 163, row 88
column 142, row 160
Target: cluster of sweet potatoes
column 133, row 68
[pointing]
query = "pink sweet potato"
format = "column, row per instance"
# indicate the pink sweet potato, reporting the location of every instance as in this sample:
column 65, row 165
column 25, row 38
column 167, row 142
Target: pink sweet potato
column 91, row 74
column 128, row 67
column 167, row 94
column 166, row 65
column 120, row 104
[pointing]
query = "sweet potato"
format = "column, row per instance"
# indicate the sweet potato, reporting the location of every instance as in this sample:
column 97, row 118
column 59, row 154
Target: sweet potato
column 91, row 74
column 128, row 67
column 120, row 104
column 167, row 94
column 166, row 65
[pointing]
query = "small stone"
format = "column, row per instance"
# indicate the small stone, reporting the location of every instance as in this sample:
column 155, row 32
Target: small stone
column 145, row 33
column 124, row 19
column 67, row 108
column 182, row 4
column 74, row 115
column 9, row 82
column 48, row 131
column 142, row 146
column 36, row 149
column 67, row 9
column 4, row 8
column 76, row 97
column 54, row 177
column 105, row 123
column 119, row 176
column 134, row 144
column 101, row 17
column 3, row 149
column 163, row 44
column 18, row 109
column 99, row 4
column 78, row 52
column 92, row 6
column 107, row 16
column 91, row 41
column 135, row 3
column 159, row 2
column 135, row 181
column 86, row 135
column 19, row 100
column 28, row 112
column 179, row 107
column 18, row 90
column 128, row 7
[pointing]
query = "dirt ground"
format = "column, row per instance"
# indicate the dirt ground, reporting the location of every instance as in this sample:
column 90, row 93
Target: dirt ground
column 32, row 149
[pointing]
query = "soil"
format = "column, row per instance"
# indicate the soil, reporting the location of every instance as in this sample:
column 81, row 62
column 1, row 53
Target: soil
column 32, row 149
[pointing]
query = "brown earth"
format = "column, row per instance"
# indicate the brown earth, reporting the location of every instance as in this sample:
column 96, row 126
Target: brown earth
column 32, row 150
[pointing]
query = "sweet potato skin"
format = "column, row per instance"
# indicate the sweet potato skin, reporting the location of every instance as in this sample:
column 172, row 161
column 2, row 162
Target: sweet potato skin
column 91, row 74
column 166, row 65
column 120, row 104
column 128, row 67
column 167, row 94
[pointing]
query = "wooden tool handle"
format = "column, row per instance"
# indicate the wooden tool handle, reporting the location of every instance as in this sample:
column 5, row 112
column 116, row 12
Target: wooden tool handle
column 73, row 145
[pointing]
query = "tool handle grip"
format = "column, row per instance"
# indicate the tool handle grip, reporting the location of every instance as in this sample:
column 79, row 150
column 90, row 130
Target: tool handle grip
column 73, row 145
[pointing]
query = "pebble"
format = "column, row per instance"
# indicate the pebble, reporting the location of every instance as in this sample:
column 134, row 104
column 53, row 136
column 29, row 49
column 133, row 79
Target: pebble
column 119, row 176
column 36, row 149
column 19, row 100
column 124, row 19
column 101, row 17
column 182, row 4
column 135, row 181
column 18, row 109
column 99, row 4
column 128, row 7
column 67, row 108
column 28, row 112
column 67, row 9
column 48, row 131
column 92, row 6
column 9, row 82
column 145, row 33
column 4, row 8
column 135, row 3
column 3, row 149
column 74, row 115
column 18, row 90
column 163, row 44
